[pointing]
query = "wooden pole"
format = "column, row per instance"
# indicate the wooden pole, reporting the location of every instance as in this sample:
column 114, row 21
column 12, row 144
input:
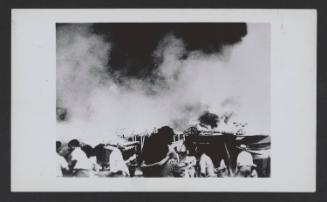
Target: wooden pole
column 229, row 160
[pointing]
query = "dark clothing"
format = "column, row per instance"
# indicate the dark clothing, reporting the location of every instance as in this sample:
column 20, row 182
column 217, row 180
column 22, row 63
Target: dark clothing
column 82, row 173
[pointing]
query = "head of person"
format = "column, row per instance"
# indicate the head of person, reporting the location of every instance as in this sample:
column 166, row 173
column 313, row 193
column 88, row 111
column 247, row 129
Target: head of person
column 166, row 135
column 73, row 144
column 156, row 146
column 88, row 150
column 58, row 146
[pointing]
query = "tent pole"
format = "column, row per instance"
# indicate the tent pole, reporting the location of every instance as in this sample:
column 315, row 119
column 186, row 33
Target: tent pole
column 229, row 159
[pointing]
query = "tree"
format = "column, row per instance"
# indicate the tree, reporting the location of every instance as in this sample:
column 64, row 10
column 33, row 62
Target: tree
column 209, row 119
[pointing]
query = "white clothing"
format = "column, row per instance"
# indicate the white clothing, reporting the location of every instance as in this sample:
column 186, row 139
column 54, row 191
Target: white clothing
column 61, row 164
column 94, row 164
column 244, row 158
column 117, row 163
column 190, row 169
column 206, row 166
column 82, row 162
column 190, row 160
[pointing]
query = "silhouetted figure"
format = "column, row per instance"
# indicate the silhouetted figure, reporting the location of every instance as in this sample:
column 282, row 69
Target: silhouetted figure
column 159, row 158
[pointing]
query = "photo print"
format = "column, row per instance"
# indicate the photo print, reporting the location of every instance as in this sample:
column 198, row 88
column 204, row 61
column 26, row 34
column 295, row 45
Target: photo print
column 188, row 100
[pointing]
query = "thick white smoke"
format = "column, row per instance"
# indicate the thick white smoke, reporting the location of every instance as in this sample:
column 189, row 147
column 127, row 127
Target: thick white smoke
column 99, row 109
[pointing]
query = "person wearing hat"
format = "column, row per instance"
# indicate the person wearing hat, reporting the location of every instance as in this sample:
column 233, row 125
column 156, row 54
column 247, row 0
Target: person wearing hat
column 244, row 162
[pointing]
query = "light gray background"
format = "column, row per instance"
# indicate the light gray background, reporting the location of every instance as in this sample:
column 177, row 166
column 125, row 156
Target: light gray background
column 292, row 88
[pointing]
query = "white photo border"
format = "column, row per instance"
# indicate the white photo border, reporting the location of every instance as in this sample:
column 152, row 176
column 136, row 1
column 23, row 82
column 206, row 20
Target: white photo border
column 293, row 100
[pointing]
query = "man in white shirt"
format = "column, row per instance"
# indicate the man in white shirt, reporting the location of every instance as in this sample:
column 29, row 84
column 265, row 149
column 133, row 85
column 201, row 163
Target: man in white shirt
column 116, row 162
column 81, row 165
column 207, row 168
column 244, row 162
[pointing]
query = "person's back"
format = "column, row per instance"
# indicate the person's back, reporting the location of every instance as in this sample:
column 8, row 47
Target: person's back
column 244, row 158
column 156, row 153
column 154, row 150
column 244, row 164
column 82, row 162
column 117, row 163
column 207, row 168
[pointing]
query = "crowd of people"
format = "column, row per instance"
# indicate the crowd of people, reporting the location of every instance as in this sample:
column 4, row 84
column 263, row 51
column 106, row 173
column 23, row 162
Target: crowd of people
column 157, row 158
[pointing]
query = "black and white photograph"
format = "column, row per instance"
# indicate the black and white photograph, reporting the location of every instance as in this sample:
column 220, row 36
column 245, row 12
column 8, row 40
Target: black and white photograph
column 187, row 100
column 163, row 100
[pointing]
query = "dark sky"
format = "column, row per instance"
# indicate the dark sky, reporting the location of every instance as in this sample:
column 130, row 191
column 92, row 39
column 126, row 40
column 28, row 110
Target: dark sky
column 133, row 43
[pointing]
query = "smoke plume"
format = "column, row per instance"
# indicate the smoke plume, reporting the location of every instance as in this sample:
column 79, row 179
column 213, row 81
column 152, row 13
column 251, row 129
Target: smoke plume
column 101, row 93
